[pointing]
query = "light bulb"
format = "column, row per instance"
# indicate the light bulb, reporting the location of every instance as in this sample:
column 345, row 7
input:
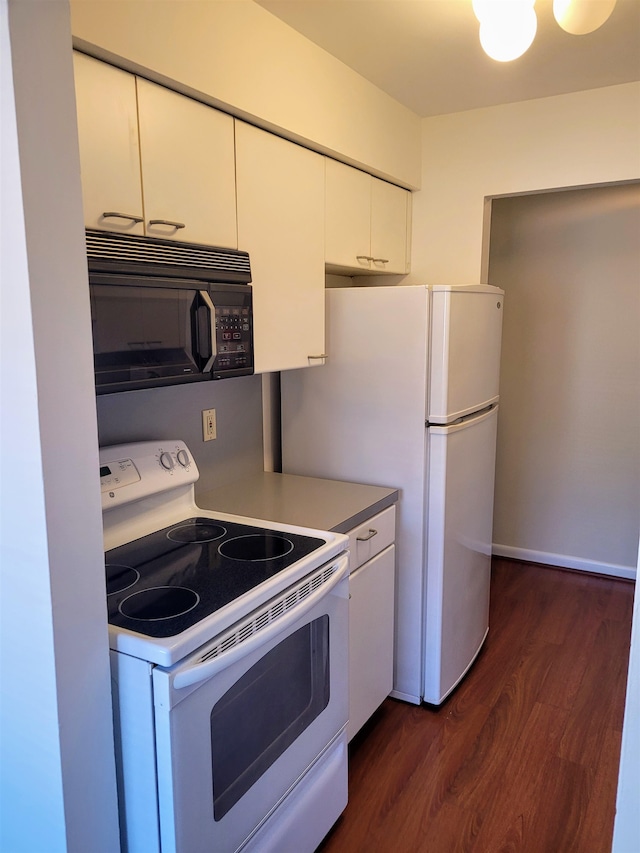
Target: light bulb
column 507, row 35
column 485, row 10
column 579, row 17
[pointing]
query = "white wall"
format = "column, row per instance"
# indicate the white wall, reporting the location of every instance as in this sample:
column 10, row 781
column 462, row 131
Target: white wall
column 568, row 462
column 236, row 55
column 57, row 768
column 569, row 140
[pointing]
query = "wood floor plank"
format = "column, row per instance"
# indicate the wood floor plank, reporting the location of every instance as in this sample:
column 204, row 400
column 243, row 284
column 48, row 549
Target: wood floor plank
column 600, row 699
column 596, row 828
column 524, row 777
column 562, row 804
column 620, row 607
column 523, row 756
column 503, row 731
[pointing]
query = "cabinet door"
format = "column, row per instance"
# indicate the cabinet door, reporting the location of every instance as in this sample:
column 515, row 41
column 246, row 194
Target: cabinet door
column 109, row 150
column 188, row 168
column 348, row 216
column 389, row 227
column 371, row 621
column 280, row 189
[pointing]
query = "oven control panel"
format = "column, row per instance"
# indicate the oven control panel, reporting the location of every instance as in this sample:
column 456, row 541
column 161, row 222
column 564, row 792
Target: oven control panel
column 129, row 472
column 117, row 474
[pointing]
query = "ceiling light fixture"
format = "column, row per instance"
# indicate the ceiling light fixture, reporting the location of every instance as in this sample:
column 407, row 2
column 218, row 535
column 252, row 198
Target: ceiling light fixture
column 508, row 27
column 580, row 17
column 507, row 35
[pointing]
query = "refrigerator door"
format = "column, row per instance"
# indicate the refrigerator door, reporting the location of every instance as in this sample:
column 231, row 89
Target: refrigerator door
column 466, row 334
column 459, row 533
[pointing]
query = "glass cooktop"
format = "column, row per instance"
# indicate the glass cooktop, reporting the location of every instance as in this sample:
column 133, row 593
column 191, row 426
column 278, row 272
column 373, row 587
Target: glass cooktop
column 165, row 582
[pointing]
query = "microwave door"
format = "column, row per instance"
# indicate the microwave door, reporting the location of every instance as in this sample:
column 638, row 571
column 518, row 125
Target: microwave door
column 149, row 336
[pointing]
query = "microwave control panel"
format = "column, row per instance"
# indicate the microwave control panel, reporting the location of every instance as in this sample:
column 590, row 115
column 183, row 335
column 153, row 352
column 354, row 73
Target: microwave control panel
column 234, row 338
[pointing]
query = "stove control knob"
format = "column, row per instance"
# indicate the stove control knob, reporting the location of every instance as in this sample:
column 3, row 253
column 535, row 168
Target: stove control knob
column 183, row 458
column 166, row 461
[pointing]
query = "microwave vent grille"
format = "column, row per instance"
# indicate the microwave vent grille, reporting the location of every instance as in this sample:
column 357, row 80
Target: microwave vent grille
column 107, row 251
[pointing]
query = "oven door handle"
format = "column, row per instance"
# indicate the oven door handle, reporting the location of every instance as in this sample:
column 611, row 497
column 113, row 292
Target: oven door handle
column 203, row 671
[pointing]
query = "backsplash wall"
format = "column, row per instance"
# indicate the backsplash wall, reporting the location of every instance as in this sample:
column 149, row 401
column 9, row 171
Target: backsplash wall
column 176, row 412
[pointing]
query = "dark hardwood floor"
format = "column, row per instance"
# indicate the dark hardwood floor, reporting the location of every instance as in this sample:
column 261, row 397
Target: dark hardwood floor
column 524, row 755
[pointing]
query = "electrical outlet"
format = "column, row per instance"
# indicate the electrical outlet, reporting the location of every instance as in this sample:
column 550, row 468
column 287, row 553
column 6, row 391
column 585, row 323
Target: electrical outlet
column 208, row 424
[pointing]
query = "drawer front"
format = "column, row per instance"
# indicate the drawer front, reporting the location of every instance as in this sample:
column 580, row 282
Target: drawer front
column 372, row 536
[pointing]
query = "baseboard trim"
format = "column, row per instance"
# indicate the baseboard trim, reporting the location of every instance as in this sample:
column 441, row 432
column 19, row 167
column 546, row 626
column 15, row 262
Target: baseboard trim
column 564, row 562
column 406, row 697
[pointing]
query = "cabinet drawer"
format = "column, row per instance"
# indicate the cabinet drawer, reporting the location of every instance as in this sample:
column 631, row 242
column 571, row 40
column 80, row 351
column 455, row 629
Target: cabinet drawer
column 372, row 536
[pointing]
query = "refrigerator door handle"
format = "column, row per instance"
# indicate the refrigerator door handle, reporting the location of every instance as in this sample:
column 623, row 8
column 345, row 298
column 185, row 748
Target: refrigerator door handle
column 467, row 420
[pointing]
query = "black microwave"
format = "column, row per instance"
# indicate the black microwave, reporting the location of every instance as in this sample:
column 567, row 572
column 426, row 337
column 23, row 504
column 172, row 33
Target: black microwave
column 167, row 313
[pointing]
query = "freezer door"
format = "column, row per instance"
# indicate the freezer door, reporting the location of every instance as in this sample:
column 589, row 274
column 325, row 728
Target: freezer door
column 459, row 534
column 466, row 334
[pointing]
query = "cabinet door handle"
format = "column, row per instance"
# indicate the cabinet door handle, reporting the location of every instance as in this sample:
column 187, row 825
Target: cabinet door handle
column 364, row 258
column 313, row 357
column 108, row 214
column 380, row 260
column 366, row 538
column 176, row 225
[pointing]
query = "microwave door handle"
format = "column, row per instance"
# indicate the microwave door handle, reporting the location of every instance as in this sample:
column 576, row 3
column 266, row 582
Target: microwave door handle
column 203, row 671
column 209, row 306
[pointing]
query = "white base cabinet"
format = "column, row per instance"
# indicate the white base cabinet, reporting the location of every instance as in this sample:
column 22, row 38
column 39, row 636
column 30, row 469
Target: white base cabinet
column 371, row 616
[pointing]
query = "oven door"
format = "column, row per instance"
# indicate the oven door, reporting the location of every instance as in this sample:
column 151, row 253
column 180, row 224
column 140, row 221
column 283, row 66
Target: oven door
column 244, row 722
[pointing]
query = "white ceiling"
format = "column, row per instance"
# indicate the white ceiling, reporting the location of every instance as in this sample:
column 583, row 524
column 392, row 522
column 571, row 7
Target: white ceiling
column 426, row 53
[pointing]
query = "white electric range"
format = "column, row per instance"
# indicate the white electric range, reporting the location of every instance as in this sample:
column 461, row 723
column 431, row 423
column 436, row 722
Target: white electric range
column 229, row 659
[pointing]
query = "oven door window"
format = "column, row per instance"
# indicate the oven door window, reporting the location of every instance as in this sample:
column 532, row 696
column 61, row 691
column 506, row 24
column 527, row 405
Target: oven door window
column 264, row 712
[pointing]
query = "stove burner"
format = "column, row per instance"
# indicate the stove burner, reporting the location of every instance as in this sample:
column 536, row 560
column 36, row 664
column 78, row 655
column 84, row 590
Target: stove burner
column 159, row 602
column 120, row 578
column 193, row 568
column 196, row 531
column 258, row 546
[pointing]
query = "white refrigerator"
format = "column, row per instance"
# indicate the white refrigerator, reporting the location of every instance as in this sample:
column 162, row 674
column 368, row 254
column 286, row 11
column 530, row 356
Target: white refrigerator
column 408, row 398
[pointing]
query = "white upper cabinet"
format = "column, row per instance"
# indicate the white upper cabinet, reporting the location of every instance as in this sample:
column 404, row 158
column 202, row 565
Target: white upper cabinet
column 367, row 222
column 188, row 168
column 109, row 147
column 280, row 191
column 390, row 227
column 347, row 216
column 153, row 162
